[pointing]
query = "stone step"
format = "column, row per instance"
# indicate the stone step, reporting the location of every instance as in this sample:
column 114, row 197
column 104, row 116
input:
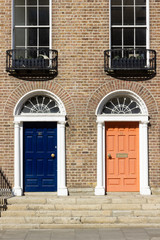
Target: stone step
column 73, row 222
column 20, row 207
column 79, row 213
column 57, row 220
column 155, row 191
column 131, row 220
column 57, row 213
column 109, row 206
column 149, row 213
column 50, row 211
column 75, row 226
column 42, row 199
column 79, row 220
column 81, row 191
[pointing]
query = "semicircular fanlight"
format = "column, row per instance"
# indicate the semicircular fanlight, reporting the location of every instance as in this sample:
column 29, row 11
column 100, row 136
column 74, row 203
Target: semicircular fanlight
column 40, row 104
column 121, row 105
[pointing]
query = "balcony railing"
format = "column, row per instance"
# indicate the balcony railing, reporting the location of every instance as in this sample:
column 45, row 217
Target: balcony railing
column 32, row 60
column 130, row 59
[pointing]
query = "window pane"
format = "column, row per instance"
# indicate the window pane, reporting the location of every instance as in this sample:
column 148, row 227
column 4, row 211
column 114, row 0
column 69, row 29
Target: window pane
column 31, row 16
column 43, row 2
column 32, row 37
column 140, row 36
column 128, row 52
column 117, row 53
column 116, row 2
column 20, row 53
column 140, row 15
column 128, row 2
column 19, row 16
column 43, row 16
column 31, row 2
column 128, row 15
column 141, row 52
column 116, row 16
column 140, row 2
column 19, row 2
column 116, row 36
column 128, row 36
column 44, row 36
column 32, row 53
column 19, row 37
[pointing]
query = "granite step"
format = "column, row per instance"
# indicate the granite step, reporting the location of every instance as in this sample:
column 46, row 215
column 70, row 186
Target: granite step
column 49, row 211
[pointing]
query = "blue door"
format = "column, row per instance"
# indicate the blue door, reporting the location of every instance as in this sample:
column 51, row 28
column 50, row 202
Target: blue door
column 40, row 157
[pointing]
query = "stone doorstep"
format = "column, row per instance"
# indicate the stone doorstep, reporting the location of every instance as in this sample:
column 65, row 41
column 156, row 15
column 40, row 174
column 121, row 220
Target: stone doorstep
column 80, row 212
column 42, row 199
column 76, row 226
column 80, row 220
column 57, row 213
column 40, row 194
column 83, row 207
column 81, row 190
column 155, row 191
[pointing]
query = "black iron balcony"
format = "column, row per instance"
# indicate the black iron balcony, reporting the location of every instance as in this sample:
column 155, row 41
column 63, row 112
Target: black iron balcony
column 31, row 60
column 130, row 60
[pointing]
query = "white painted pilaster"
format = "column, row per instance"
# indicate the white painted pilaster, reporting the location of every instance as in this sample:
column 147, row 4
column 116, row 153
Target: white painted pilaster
column 17, row 190
column 62, row 189
column 99, row 190
column 143, row 136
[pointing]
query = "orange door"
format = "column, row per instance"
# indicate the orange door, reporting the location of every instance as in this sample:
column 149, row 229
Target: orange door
column 122, row 157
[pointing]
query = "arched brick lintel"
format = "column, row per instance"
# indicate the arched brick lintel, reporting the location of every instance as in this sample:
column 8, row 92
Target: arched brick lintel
column 110, row 86
column 24, row 88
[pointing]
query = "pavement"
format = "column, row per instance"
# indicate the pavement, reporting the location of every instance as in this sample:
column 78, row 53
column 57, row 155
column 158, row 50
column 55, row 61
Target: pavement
column 83, row 234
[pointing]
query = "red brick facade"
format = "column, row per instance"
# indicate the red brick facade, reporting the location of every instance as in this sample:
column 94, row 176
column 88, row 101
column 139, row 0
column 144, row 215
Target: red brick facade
column 80, row 33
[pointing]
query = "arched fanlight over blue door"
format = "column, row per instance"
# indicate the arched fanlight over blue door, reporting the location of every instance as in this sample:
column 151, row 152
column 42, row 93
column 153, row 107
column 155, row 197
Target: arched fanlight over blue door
column 121, row 105
column 40, row 104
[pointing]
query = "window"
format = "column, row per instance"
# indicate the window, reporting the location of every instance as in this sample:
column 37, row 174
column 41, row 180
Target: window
column 128, row 24
column 40, row 104
column 31, row 27
column 121, row 105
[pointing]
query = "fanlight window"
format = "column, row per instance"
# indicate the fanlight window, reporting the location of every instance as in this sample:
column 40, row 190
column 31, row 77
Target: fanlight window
column 121, row 105
column 40, row 104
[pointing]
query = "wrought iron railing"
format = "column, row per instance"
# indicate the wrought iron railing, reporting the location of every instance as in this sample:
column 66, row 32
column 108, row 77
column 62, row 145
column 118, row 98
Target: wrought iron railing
column 36, row 60
column 130, row 59
column 5, row 186
column 3, row 204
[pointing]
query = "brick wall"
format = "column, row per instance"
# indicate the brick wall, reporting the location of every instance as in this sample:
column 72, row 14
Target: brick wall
column 80, row 33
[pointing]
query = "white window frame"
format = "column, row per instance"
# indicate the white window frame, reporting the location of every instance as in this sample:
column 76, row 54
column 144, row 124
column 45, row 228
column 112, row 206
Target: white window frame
column 37, row 26
column 147, row 26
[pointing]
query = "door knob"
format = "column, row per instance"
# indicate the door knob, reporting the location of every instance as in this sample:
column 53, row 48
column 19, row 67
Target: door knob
column 109, row 155
column 52, row 155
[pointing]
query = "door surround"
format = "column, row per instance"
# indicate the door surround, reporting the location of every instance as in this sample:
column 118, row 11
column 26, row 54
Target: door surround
column 142, row 118
column 18, row 142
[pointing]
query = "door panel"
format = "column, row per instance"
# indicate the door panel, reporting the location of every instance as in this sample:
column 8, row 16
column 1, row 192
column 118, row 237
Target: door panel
column 122, row 168
column 40, row 169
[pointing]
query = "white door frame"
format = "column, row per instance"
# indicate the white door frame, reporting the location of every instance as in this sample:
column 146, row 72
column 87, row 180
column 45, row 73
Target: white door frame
column 143, row 139
column 18, row 143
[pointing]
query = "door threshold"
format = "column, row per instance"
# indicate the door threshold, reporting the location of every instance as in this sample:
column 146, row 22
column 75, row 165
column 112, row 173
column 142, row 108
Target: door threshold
column 122, row 193
column 40, row 193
